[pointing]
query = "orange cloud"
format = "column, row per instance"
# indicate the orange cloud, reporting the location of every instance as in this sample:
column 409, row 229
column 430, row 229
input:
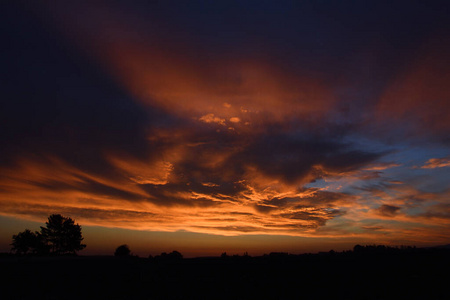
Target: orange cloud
column 433, row 163
column 189, row 89
column 127, row 202
column 234, row 159
column 381, row 166
column 259, row 204
column 160, row 71
column 210, row 118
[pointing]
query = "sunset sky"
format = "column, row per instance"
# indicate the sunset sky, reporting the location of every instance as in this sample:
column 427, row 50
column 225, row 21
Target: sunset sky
column 212, row 126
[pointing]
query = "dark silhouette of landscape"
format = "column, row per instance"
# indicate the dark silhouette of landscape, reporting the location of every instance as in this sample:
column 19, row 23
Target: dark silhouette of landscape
column 366, row 272
column 45, row 265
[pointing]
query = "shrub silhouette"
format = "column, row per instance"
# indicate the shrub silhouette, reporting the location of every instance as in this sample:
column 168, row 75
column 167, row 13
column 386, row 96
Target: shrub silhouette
column 172, row 256
column 28, row 242
column 175, row 255
column 122, row 251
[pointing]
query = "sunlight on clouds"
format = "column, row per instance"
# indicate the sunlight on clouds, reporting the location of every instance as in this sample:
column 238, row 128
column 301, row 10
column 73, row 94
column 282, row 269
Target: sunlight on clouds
column 156, row 173
column 381, row 166
column 209, row 184
column 433, row 163
column 63, row 188
column 232, row 142
column 157, row 72
column 210, row 118
column 257, row 204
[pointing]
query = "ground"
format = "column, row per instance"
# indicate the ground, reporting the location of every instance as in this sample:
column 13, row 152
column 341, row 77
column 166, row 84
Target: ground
column 415, row 275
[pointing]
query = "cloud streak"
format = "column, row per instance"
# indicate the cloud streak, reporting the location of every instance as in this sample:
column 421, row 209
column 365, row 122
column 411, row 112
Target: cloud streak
column 433, row 163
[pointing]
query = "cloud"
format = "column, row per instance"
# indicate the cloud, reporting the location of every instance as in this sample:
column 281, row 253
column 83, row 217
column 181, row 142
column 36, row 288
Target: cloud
column 418, row 97
column 58, row 186
column 227, row 82
column 382, row 166
column 165, row 118
column 373, row 227
column 318, row 217
column 433, row 163
column 302, row 158
column 210, row 118
column 388, row 210
column 150, row 172
column 439, row 211
column 94, row 215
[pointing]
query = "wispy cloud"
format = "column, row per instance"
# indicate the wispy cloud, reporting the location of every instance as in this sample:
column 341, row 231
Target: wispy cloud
column 388, row 210
column 433, row 163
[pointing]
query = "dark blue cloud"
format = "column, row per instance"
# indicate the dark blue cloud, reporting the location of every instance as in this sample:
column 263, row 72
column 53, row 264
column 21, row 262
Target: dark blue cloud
column 56, row 100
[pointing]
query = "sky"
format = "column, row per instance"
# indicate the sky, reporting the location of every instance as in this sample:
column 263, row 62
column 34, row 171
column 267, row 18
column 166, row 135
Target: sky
column 237, row 126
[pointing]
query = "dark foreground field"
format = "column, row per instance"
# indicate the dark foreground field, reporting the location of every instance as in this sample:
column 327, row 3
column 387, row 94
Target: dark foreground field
column 408, row 275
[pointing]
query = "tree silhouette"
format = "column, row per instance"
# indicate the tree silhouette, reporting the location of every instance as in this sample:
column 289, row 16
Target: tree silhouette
column 172, row 256
column 62, row 235
column 175, row 255
column 122, row 251
column 28, row 242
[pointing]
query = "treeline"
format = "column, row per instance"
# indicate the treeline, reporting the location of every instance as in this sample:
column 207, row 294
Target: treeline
column 124, row 251
column 357, row 251
column 382, row 249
